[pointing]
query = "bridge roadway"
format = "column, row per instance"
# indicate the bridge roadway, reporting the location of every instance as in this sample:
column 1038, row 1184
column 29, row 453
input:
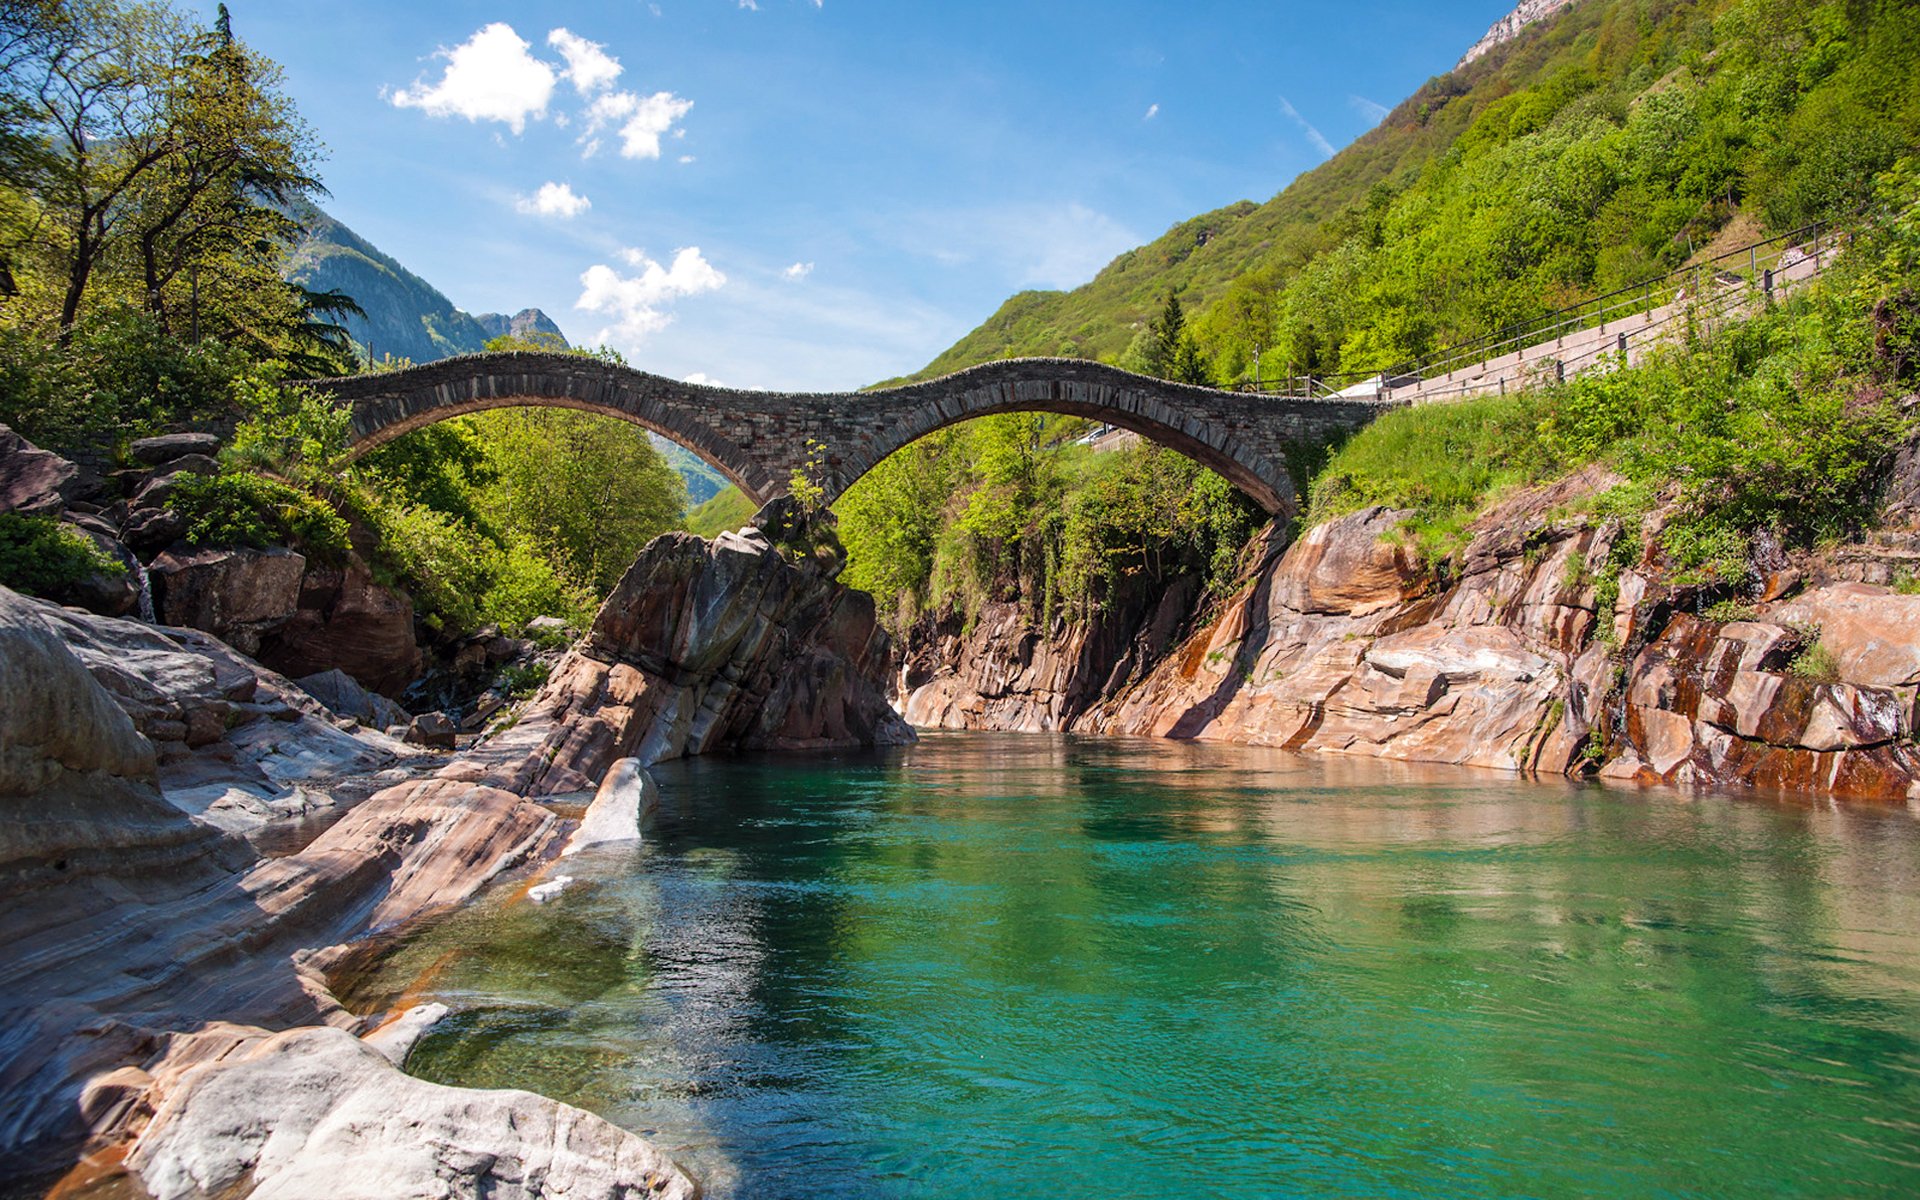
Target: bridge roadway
column 758, row 439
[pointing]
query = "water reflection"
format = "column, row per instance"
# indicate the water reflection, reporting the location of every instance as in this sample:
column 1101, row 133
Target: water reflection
column 1094, row 966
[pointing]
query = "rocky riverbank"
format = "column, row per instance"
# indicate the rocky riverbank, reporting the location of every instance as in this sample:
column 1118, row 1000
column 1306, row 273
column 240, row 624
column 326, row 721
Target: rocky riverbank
column 1537, row 651
column 174, row 1032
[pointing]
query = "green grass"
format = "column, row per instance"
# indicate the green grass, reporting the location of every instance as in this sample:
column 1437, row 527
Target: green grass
column 728, row 509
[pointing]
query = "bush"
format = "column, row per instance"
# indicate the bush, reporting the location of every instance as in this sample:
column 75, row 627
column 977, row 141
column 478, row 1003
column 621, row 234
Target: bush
column 241, row 509
column 118, row 377
column 44, row 557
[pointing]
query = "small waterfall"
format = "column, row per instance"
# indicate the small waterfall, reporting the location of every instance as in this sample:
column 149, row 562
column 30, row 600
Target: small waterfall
column 146, row 593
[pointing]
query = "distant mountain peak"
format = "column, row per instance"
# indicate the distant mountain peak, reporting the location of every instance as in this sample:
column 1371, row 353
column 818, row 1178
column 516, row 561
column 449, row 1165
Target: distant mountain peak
column 1508, row 27
column 525, row 323
column 406, row 317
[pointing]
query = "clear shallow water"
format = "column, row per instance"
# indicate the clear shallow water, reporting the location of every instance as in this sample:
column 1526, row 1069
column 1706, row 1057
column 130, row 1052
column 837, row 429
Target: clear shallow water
column 1049, row 967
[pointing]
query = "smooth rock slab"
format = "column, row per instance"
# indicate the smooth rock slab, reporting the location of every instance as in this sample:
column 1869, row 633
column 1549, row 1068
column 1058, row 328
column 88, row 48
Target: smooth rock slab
column 316, row 1112
column 614, row 815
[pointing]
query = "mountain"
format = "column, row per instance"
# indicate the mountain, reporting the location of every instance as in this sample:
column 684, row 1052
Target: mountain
column 703, row 482
column 529, row 323
column 1579, row 148
column 407, row 317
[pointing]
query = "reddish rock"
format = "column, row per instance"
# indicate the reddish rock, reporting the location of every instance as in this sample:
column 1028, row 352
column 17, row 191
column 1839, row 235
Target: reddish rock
column 236, row 595
column 344, row 620
column 705, row 646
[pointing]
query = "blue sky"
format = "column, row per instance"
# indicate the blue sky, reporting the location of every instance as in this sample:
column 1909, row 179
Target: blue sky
column 817, row 193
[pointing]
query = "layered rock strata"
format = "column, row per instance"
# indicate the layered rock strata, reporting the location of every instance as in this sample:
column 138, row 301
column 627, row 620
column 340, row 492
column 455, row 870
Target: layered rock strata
column 1533, row 653
column 170, row 982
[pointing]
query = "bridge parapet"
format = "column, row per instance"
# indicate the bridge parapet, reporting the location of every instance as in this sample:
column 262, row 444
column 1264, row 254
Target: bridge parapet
column 757, row 439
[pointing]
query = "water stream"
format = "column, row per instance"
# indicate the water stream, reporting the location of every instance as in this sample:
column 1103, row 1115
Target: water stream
column 994, row 964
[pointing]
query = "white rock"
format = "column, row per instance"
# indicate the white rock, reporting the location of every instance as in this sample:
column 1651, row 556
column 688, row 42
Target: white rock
column 396, row 1039
column 316, row 1112
column 614, row 815
column 541, row 893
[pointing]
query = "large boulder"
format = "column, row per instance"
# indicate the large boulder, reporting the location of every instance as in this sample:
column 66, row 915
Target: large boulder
column 734, row 643
column 33, row 482
column 236, row 595
column 344, row 620
column 318, row 1112
column 168, row 447
column 344, row 696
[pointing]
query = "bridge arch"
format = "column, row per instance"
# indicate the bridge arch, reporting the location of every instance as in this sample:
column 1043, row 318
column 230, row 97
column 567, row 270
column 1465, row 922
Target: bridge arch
column 757, row 439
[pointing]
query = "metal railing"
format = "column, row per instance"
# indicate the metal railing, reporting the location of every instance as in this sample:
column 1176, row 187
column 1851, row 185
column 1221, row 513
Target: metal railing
column 1718, row 283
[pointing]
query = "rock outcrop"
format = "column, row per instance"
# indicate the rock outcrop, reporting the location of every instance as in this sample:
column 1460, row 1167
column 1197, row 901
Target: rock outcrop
column 130, row 924
column 1527, row 13
column 318, row 1112
column 33, row 482
column 734, row 643
column 1518, row 659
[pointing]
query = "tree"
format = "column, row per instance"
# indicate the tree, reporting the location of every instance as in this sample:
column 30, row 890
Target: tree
column 1164, row 334
column 154, row 163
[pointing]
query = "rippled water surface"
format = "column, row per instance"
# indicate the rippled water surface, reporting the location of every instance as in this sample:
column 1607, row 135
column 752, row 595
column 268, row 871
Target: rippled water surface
column 995, row 964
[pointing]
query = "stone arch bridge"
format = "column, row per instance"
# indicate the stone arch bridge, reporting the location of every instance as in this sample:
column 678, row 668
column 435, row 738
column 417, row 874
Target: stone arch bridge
column 757, row 439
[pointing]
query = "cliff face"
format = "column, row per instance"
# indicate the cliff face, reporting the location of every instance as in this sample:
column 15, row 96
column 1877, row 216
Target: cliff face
column 1521, row 660
column 1510, row 26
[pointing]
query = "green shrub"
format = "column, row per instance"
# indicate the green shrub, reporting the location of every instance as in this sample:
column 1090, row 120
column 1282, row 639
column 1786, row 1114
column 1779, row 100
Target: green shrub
column 242, row 509
column 119, row 376
column 1817, row 663
column 293, row 430
column 519, row 681
column 44, row 557
column 1728, row 611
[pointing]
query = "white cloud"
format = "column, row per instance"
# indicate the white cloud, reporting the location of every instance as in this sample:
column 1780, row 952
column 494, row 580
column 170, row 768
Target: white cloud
column 798, row 271
column 749, row 5
column 1153, row 110
column 686, row 158
column 702, row 378
column 554, row 200
column 1313, row 135
column 489, row 77
column 637, row 303
column 640, row 121
column 1371, row 111
column 589, row 67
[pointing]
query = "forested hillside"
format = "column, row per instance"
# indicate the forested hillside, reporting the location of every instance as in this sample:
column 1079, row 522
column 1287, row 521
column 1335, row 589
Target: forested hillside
column 1609, row 143
column 1606, row 145
column 399, row 315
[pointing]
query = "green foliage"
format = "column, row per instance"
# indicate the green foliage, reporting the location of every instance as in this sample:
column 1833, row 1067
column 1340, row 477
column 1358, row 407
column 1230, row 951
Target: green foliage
column 1779, row 424
column 152, row 165
column 1729, row 611
column 585, row 491
column 117, row 377
column 44, row 557
column 803, row 483
column 1816, row 663
column 728, row 509
column 292, row 430
column 241, row 509
column 522, row 680
column 1611, row 144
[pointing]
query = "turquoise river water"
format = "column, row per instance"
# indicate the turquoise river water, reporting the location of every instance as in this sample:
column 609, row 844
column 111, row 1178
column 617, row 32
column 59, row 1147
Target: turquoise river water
column 1027, row 965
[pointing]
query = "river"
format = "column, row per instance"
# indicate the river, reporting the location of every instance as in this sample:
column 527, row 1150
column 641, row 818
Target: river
column 1031, row 965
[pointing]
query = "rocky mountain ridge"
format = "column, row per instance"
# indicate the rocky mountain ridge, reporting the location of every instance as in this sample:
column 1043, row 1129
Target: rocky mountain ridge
column 1511, row 26
column 406, row 317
